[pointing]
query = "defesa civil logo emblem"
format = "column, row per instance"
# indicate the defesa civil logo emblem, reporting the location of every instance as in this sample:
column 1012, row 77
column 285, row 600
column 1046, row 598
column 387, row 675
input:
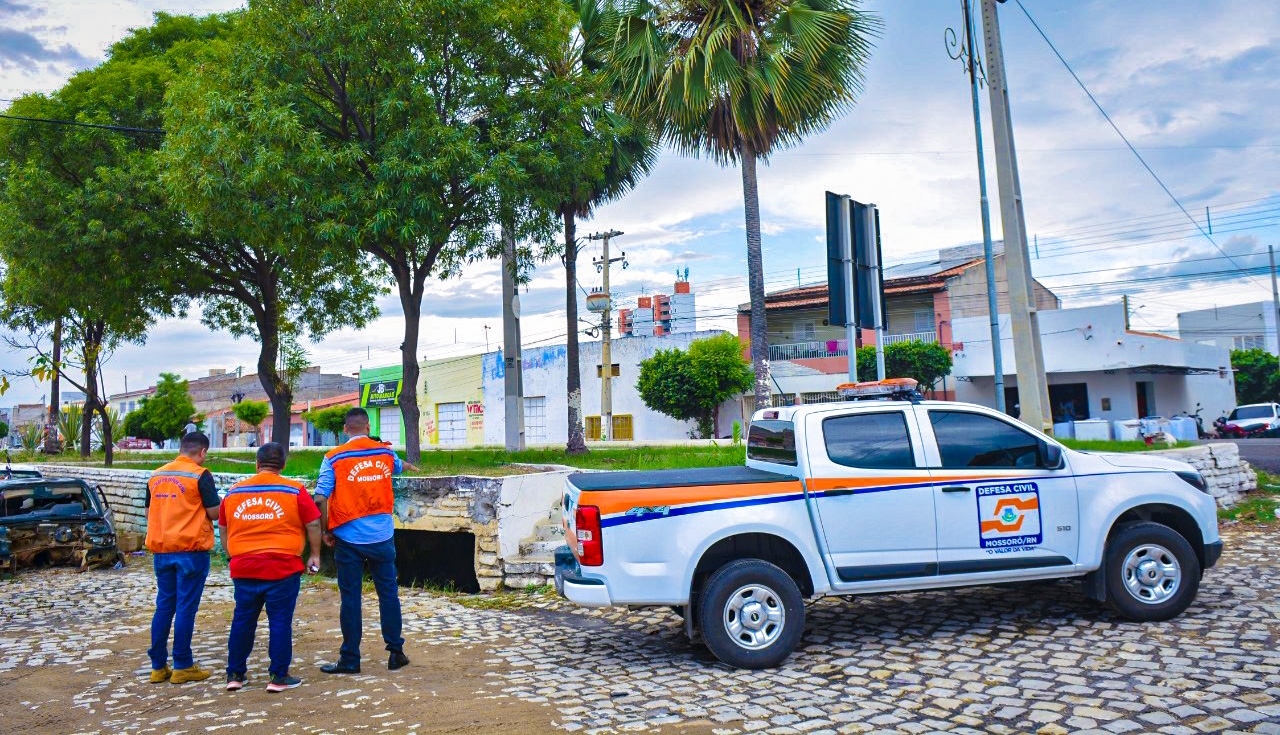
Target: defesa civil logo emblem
column 1009, row 516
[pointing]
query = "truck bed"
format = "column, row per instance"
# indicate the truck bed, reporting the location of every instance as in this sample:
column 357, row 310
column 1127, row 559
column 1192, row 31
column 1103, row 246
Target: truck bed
column 651, row 479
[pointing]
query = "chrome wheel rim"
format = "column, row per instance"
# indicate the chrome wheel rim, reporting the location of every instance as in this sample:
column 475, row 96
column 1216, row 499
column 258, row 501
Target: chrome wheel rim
column 754, row 617
column 1152, row 574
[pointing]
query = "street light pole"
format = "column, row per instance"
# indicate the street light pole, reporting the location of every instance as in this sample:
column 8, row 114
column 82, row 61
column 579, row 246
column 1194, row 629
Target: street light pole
column 1033, row 389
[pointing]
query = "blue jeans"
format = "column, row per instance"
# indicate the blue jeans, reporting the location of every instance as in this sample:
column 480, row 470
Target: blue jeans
column 180, row 579
column 381, row 559
column 280, row 597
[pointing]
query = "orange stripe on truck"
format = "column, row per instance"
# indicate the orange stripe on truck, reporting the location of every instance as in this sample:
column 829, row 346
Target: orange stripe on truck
column 611, row 502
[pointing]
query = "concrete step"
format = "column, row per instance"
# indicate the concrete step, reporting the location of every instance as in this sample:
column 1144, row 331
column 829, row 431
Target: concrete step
column 548, row 532
column 540, row 549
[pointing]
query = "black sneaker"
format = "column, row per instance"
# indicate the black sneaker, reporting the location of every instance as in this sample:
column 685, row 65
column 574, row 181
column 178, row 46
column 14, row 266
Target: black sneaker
column 397, row 660
column 235, row 682
column 281, row 683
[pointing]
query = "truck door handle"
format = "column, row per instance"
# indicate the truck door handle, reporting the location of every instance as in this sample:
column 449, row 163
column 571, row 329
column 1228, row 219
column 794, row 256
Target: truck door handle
column 956, row 489
column 836, row 492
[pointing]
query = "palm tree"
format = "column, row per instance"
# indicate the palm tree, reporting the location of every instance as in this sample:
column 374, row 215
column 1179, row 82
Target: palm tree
column 738, row 80
column 629, row 150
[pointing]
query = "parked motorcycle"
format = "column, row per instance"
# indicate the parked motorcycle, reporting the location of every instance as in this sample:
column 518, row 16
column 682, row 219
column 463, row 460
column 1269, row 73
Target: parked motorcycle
column 1227, row 430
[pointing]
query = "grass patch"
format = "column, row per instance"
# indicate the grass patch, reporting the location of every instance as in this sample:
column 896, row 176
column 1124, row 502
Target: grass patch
column 1260, row 506
column 436, row 462
column 1099, row 445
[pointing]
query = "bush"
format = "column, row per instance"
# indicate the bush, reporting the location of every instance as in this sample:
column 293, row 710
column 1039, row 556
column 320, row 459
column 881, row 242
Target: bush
column 165, row 413
column 1257, row 376
column 692, row 385
column 927, row 362
column 252, row 413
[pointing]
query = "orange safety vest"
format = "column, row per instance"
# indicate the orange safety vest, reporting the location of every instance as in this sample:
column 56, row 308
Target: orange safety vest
column 362, row 471
column 262, row 516
column 176, row 518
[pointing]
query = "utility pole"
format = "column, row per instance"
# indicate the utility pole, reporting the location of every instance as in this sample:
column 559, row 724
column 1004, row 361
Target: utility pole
column 513, row 364
column 1275, row 294
column 1124, row 300
column 606, row 359
column 1033, row 389
column 970, row 53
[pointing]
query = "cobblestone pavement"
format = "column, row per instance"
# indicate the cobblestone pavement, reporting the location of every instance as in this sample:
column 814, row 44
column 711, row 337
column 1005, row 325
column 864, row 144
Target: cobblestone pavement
column 1030, row 658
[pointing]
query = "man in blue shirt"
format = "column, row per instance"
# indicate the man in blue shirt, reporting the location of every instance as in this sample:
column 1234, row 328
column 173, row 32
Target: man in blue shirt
column 356, row 504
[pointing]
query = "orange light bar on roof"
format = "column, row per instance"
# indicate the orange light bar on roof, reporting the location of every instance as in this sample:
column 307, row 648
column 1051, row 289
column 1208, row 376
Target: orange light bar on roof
column 873, row 388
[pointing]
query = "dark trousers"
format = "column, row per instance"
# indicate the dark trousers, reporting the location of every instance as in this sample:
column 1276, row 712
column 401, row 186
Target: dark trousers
column 180, row 577
column 280, row 597
column 381, row 560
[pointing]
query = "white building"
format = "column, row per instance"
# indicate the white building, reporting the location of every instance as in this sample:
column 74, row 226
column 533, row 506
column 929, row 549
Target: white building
column 1099, row 369
column 546, row 404
column 1234, row 327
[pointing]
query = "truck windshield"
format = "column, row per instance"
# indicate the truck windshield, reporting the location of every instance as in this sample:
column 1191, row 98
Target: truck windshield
column 1250, row 412
column 44, row 502
column 772, row 441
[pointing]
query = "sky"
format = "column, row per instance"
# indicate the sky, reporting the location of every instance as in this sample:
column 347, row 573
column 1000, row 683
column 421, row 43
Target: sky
column 1191, row 83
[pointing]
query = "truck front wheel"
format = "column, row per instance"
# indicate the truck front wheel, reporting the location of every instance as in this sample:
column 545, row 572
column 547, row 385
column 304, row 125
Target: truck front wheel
column 752, row 614
column 1152, row 572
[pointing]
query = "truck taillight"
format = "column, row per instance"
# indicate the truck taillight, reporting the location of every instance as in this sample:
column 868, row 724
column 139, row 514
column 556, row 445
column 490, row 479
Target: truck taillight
column 590, row 546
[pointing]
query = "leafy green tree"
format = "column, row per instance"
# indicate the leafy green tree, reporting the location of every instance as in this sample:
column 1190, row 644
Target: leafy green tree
column 4, row 429
column 1257, row 377
column 927, row 362
column 85, row 233
column 254, row 413
column 609, row 156
column 329, row 420
column 691, row 385
column 163, row 414
column 738, row 81
column 402, row 130
column 263, row 275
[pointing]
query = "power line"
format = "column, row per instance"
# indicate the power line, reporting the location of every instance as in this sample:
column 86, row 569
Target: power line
column 77, row 123
column 1116, row 128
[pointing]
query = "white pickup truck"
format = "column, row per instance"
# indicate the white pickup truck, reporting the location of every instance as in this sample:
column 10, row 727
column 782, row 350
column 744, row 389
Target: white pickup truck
column 877, row 496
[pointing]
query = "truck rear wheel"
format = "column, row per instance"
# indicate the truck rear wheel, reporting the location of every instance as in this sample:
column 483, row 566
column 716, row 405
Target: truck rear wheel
column 1152, row 572
column 752, row 614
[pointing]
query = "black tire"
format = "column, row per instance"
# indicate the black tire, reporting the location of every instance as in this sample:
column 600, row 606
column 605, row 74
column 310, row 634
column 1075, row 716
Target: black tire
column 1156, row 600
column 776, row 593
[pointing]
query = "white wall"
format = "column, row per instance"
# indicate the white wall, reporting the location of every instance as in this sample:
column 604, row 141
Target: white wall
column 1092, row 346
column 1223, row 326
column 545, row 373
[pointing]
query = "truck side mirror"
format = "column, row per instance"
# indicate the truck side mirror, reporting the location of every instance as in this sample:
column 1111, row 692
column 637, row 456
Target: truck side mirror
column 1050, row 456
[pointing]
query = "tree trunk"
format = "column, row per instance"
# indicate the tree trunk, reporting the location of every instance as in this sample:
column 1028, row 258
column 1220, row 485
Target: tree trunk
column 573, row 384
column 278, row 391
column 91, row 348
column 107, row 447
column 411, row 302
column 52, row 444
column 755, row 278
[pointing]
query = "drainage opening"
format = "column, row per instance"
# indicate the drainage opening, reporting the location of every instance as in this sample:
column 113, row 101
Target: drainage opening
column 436, row 559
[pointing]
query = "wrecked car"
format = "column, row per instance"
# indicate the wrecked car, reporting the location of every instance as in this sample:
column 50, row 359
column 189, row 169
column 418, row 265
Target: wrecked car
column 54, row 521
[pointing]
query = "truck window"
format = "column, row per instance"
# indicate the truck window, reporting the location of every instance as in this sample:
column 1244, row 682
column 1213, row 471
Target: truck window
column 873, row 441
column 772, row 441
column 974, row 440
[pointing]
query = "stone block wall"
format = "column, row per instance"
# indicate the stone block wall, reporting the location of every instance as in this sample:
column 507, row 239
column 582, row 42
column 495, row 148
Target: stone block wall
column 1229, row 476
column 499, row 511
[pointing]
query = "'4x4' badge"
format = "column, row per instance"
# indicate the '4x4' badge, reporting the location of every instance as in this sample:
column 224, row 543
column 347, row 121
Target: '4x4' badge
column 644, row 510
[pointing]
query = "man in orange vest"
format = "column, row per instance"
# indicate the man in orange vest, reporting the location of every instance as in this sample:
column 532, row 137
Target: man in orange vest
column 357, row 503
column 267, row 521
column 182, row 502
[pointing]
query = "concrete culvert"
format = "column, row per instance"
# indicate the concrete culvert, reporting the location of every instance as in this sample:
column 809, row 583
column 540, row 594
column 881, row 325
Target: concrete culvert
column 436, row 559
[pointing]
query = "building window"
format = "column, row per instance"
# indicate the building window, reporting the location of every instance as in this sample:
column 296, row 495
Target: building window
column 535, row 419
column 924, row 320
column 623, row 430
column 616, row 371
column 805, row 331
column 1249, row 342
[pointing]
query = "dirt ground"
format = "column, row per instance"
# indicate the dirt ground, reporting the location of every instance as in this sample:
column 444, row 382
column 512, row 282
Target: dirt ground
column 446, row 689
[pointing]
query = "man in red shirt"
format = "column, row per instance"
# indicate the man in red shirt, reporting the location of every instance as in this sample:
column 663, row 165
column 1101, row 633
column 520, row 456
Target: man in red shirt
column 266, row 521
